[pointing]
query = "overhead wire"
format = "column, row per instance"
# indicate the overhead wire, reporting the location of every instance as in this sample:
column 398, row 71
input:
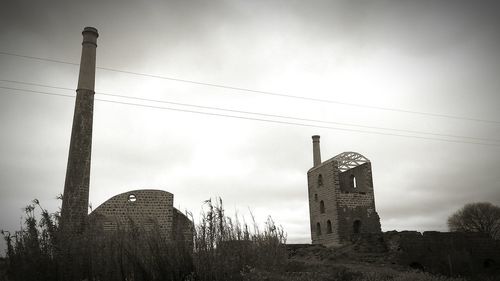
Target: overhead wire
column 247, row 90
column 254, row 119
column 258, row 113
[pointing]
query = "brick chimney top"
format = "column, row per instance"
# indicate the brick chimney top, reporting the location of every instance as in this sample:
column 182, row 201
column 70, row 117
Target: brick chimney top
column 316, row 151
column 90, row 29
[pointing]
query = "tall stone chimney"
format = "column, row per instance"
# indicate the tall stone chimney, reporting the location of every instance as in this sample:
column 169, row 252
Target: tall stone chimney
column 74, row 209
column 316, row 151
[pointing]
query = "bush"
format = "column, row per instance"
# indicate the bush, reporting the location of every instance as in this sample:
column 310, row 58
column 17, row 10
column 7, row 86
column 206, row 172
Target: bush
column 482, row 217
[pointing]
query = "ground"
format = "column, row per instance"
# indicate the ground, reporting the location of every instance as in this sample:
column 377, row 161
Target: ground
column 318, row 263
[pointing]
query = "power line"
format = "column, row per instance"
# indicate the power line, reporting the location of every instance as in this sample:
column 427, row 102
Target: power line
column 261, row 114
column 255, row 119
column 38, row 92
column 247, row 90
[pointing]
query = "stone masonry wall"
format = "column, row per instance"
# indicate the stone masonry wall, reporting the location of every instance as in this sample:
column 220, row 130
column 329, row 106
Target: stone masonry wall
column 182, row 227
column 450, row 253
column 356, row 205
column 146, row 209
column 323, row 192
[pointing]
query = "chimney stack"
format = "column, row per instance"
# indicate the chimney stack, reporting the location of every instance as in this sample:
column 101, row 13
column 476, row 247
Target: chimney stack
column 86, row 79
column 74, row 209
column 316, row 151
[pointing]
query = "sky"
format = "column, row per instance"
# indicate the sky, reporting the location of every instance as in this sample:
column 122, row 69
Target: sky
column 430, row 67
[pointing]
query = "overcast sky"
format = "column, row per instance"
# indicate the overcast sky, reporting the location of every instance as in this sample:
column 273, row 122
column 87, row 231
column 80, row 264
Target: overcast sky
column 438, row 57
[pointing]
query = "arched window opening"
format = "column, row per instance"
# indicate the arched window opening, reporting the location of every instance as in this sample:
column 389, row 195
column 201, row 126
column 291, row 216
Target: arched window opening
column 328, row 226
column 318, row 229
column 322, row 207
column 320, row 180
column 316, row 197
column 353, row 182
column 356, row 227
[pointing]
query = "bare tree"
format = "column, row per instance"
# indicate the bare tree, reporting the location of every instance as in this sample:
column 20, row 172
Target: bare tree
column 482, row 217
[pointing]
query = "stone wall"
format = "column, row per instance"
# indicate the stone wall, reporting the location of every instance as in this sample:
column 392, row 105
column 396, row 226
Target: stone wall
column 322, row 183
column 442, row 253
column 182, row 227
column 449, row 253
column 145, row 210
column 446, row 253
column 356, row 205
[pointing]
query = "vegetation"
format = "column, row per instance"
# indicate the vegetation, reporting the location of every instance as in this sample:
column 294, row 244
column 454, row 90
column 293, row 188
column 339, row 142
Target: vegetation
column 226, row 249
column 223, row 249
column 31, row 250
column 480, row 217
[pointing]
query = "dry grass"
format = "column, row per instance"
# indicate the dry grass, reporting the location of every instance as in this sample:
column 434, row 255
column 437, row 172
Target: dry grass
column 226, row 249
column 31, row 250
column 223, row 249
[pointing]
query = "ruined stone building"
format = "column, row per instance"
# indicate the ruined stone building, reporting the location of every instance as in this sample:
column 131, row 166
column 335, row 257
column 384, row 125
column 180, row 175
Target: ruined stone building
column 341, row 199
column 144, row 209
column 342, row 211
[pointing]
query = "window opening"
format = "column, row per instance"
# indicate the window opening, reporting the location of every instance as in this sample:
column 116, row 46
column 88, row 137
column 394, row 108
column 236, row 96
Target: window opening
column 322, row 207
column 356, row 226
column 353, row 182
column 132, row 198
column 318, row 229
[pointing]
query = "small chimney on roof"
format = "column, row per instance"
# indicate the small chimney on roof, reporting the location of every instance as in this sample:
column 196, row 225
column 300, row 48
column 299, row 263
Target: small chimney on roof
column 316, row 151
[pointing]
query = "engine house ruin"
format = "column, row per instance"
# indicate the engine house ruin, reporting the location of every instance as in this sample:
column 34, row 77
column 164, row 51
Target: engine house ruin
column 341, row 198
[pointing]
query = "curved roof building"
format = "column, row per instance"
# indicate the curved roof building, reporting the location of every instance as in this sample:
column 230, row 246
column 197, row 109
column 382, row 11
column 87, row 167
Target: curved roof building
column 145, row 209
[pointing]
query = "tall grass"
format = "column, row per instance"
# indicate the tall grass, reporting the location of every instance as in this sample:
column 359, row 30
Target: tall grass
column 223, row 248
column 137, row 254
column 226, row 248
column 31, row 251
